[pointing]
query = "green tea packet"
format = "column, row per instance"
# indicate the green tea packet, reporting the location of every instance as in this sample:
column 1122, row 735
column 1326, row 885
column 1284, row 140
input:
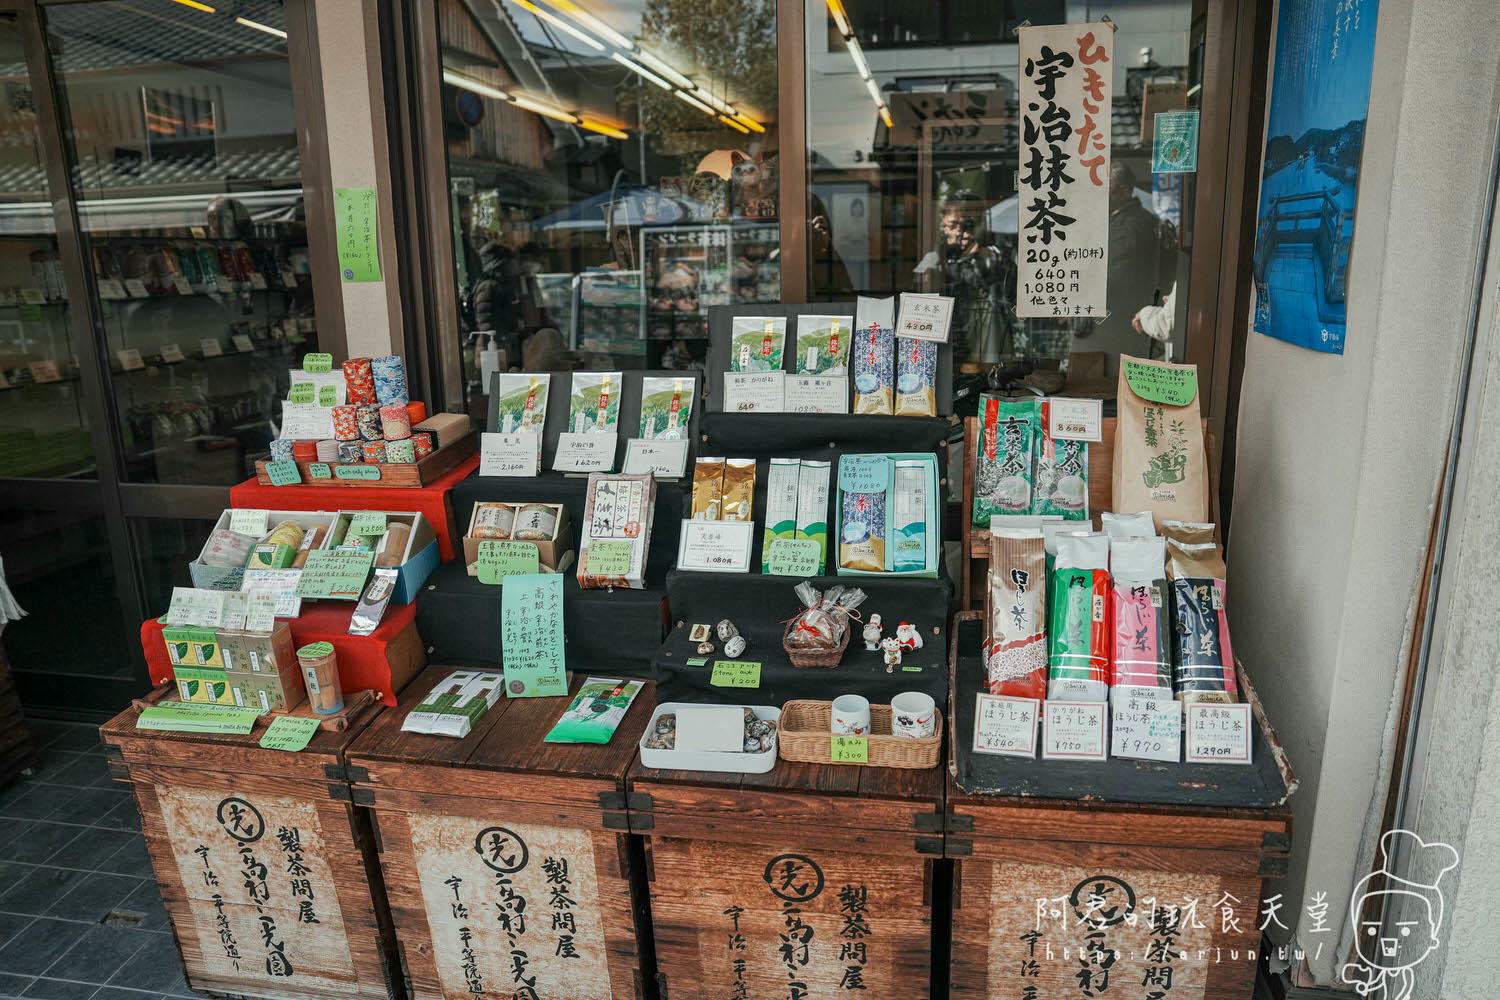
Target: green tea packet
column 1003, row 459
column 596, row 711
column 455, row 706
column 756, row 343
column 594, row 405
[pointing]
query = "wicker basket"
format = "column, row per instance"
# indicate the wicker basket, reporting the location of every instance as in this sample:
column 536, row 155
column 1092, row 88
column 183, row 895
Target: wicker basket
column 805, row 737
column 807, row 658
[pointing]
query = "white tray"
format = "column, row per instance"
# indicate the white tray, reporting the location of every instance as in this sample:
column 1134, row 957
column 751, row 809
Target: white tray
column 709, row 760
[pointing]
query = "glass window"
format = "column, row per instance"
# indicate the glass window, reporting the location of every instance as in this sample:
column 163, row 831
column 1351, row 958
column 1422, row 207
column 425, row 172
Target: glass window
column 612, row 171
column 926, row 200
column 43, row 423
column 184, row 163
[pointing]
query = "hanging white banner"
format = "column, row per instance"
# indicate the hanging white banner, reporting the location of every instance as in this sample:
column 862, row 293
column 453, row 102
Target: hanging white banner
column 1063, row 182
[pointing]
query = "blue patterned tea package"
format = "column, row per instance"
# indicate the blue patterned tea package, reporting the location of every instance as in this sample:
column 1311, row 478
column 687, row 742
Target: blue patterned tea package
column 872, row 355
column 862, row 532
column 916, row 378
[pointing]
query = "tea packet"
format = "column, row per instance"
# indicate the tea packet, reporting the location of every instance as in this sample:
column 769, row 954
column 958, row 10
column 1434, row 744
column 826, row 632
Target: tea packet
column 1079, row 637
column 862, row 532
column 1188, row 532
column 739, row 490
column 909, row 527
column 455, row 706
column 812, row 504
column 1159, row 462
column 1142, row 649
column 1003, row 459
column 594, row 405
column 916, row 378
column 873, row 355
column 708, row 489
column 756, row 343
column 1202, row 658
column 521, row 401
column 595, row 712
column 781, row 506
column 823, row 344
column 1015, row 645
column 666, row 406
column 1127, row 525
column 1061, row 480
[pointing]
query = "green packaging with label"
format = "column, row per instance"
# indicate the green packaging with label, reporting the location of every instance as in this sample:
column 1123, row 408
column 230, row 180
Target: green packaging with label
column 812, row 505
column 782, row 488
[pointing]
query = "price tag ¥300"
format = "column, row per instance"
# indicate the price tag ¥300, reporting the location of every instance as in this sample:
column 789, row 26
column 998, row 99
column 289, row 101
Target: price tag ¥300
column 850, row 750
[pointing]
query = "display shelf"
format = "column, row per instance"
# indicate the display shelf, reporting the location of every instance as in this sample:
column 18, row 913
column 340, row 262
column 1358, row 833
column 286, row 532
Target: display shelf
column 398, row 476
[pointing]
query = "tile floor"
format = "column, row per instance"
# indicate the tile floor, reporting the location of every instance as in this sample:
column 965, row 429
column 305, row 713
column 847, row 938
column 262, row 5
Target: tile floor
column 80, row 916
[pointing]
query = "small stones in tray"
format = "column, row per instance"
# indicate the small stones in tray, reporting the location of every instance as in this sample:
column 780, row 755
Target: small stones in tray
column 760, row 735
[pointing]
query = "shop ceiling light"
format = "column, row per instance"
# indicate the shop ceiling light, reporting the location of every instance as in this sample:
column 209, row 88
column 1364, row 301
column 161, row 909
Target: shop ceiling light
column 260, row 27
column 474, row 86
column 840, row 18
column 749, row 123
column 858, row 55
column 603, row 129
column 560, row 24
column 544, row 109
column 874, row 90
column 689, row 98
column 733, row 124
column 714, row 102
column 885, row 116
column 591, row 22
column 640, row 70
column 663, row 68
column 196, row 5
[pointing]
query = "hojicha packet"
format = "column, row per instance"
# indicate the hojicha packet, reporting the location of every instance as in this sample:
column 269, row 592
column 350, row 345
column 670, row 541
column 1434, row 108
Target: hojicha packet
column 1142, row 612
column 739, row 490
column 873, row 355
column 1079, row 639
column 1202, row 658
column 1002, row 464
column 1015, row 646
column 708, row 489
column 1188, row 532
column 1159, row 460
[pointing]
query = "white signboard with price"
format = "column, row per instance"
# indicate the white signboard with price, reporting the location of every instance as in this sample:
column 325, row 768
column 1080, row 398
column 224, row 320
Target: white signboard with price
column 515, row 454
column 1219, row 734
column 716, row 546
column 1074, row 730
column 1006, row 726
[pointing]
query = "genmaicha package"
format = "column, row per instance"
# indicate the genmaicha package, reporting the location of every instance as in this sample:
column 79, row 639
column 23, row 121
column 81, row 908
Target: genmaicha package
column 595, row 712
column 1202, row 658
column 1142, row 612
column 916, row 377
column 756, row 343
column 1079, row 637
column 1002, row 462
column 1159, row 461
column 873, row 355
column 1015, row 646
column 1060, row 483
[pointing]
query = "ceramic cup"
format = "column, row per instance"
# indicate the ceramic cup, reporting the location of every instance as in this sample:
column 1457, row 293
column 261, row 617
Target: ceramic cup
column 851, row 716
column 913, row 715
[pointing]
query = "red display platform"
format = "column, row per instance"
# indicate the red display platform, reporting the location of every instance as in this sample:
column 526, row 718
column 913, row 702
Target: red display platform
column 431, row 500
column 382, row 661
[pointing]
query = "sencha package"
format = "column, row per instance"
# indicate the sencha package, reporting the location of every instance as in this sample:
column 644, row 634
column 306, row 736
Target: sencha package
column 666, row 406
column 521, row 401
column 823, row 344
column 455, row 706
column 756, row 343
column 595, row 712
column 594, row 406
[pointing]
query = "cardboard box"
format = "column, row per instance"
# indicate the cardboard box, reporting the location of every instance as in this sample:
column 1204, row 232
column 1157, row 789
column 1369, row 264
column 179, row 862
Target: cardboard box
column 203, row 685
column 265, row 653
column 269, row 692
column 415, row 562
column 445, row 428
column 232, row 577
column 193, row 646
column 554, row 554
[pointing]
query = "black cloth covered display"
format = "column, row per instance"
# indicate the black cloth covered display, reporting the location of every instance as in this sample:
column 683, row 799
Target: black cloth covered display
column 760, row 605
column 606, row 631
column 1254, row 786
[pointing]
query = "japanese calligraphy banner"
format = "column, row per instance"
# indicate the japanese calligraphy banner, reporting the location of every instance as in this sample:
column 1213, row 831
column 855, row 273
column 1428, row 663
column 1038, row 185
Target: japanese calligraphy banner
column 1063, row 181
column 1315, row 134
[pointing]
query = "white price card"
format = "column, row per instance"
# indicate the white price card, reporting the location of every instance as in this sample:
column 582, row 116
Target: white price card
column 1145, row 724
column 249, row 521
column 924, row 317
column 817, row 394
column 211, row 347
column 665, row 458
column 584, row 452
column 280, row 584
column 110, row 288
column 716, row 546
column 171, row 353
column 195, row 606
column 260, row 611
column 236, row 607
column 1219, row 734
column 181, row 285
column 515, row 454
column 306, row 422
column 130, row 359
column 754, row 392
column 711, row 727
column 1075, row 419
column 1074, row 730
column 137, row 288
column 223, row 284
column 1006, row 726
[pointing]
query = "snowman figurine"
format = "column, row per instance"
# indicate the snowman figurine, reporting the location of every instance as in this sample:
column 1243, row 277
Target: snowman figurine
column 872, row 633
column 890, row 647
column 908, row 637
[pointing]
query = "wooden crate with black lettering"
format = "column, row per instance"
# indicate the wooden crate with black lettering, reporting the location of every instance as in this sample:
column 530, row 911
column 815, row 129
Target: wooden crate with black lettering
column 508, row 859
column 1133, row 879
column 267, row 869
column 812, row 880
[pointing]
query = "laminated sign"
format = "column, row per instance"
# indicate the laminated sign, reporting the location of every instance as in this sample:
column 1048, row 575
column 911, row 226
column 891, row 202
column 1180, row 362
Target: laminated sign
column 1063, row 179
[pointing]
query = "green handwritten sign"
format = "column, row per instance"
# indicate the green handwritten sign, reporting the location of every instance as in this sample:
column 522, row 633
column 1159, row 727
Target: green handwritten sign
column 181, row 717
column 334, row 573
column 499, row 559
column 356, row 471
column 328, row 395
column 850, row 750
column 794, row 557
column 355, row 215
column 317, row 362
column 319, row 470
column 367, row 522
column 607, row 558
column 697, row 661
column 316, row 650
column 735, row 674
column 531, row 636
column 290, row 733
column 302, row 392
column 1172, row 385
column 284, row 473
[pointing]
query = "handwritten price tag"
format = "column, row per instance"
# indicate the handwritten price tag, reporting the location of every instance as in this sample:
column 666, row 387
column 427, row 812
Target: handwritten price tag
column 319, row 470
column 509, row 454
column 367, row 522
column 1219, row 734
column 1006, row 726
column 735, row 674
column 850, row 750
column 1075, row 419
column 584, row 452
column 499, row 559
column 715, row 546
column 289, row 733
column 864, row 473
column 283, row 473
column 1146, row 724
column 924, row 317
column 317, row 362
column 1074, row 730
column 794, row 557
column 607, row 558
column 356, row 472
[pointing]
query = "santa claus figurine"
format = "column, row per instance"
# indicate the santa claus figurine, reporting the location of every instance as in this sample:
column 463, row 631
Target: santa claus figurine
column 872, row 633
column 908, row 637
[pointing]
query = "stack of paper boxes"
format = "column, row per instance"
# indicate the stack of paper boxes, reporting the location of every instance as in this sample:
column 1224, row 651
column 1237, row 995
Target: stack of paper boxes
column 237, row 667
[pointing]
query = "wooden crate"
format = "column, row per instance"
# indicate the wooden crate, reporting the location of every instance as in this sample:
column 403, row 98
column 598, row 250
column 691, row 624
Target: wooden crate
column 976, row 552
column 813, row 874
column 313, row 922
column 1051, row 868
column 500, row 822
column 392, row 476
